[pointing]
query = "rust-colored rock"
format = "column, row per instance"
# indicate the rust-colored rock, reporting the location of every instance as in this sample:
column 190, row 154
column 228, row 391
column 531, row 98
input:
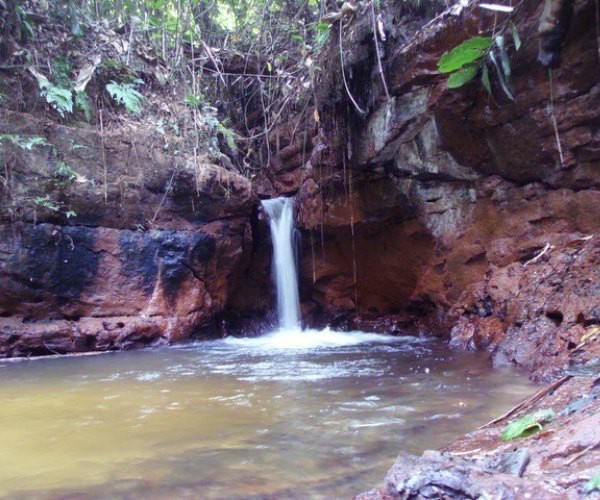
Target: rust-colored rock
column 149, row 254
column 431, row 202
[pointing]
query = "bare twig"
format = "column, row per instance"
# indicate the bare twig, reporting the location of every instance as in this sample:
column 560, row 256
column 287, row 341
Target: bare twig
column 104, row 169
column 583, row 452
column 358, row 108
column 377, row 53
column 554, row 122
column 468, row 452
column 538, row 256
column 213, row 60
column 164, row 195
column 533, row 399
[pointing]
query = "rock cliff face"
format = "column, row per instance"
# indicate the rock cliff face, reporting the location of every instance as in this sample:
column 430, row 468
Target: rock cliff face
column 151, row 256
column 421, row 208
column 450, row 209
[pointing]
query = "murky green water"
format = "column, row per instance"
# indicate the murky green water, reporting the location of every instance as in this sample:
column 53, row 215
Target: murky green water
column 237, row 420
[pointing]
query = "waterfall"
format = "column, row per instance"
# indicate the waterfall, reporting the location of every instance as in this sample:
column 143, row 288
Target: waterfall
column 281, row 217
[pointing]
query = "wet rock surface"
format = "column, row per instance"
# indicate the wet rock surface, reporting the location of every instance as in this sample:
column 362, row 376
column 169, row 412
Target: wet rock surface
column 431, row 206
column 448, row 211
column 134, row 245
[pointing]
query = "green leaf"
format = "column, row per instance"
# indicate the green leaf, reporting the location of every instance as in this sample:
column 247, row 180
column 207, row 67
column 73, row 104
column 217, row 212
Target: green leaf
column 516, row 37
column 462, row 76
column 485, row 80
column 323, row 27
column 464, row 54
column 27, row 143
column 125, row 94
column 527, row 425
column 83, row 104
column 46, row 202
column 193, row 101
column 60, row 99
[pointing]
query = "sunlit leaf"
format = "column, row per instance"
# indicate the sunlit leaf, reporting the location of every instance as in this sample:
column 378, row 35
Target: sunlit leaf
column 464, row 54
column 323, row 27
column 83, row 103
column 527, row 425
column 125, row 94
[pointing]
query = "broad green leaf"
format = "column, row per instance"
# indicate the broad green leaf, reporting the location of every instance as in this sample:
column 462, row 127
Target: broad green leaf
column 462, row 76
column 27, row 143
column 516, row 37
column 465, row 53
column 193, row 101
column 46, row 202
column 527, row 425
column 593, row 483
column 59, row 98
column 485, row 80
column 32, row 142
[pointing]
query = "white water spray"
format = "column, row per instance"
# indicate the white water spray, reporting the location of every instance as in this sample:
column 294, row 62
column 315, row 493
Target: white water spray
column 281, row 216
column 290, row 336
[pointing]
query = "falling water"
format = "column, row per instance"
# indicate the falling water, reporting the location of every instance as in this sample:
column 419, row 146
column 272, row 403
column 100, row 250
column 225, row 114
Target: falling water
column 281, row 215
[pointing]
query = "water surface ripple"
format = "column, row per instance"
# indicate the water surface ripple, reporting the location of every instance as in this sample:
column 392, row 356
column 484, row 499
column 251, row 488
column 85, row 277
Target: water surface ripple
column 276, row 417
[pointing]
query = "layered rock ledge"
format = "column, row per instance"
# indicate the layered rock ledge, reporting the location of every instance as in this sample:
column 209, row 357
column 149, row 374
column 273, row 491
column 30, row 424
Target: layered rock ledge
column 145, row 250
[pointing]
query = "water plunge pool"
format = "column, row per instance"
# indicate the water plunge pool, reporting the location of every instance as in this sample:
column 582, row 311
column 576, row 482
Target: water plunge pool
column 284, row 416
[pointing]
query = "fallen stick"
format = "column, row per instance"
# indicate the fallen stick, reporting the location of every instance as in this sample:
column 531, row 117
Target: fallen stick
column 538, row 256
column 581, row 453
column 533, row 399
column 461, row 453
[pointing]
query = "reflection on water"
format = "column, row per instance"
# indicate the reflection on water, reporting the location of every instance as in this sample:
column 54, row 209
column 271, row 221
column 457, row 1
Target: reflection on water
column 265, row 418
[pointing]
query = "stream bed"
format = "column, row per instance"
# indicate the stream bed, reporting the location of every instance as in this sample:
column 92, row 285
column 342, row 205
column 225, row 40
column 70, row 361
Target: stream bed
column 290, row 415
